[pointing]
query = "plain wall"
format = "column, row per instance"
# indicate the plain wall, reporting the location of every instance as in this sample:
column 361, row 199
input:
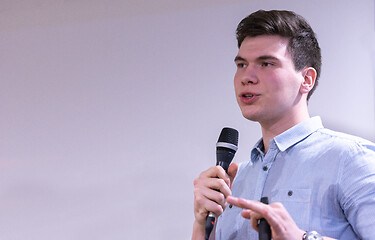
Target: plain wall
column 110, row 109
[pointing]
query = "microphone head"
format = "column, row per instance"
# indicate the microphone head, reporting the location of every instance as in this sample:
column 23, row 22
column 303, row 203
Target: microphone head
column 228, row 138
column 226, row 147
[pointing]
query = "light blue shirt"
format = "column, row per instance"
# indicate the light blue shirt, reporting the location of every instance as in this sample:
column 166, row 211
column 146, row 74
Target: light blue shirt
column 325, row 180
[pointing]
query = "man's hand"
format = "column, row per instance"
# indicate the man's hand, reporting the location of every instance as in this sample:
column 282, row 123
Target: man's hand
column 211, row 189
column 282, row 225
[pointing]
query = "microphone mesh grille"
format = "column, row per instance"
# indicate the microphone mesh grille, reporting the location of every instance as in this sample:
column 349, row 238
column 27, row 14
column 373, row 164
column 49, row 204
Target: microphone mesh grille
column 229, row 135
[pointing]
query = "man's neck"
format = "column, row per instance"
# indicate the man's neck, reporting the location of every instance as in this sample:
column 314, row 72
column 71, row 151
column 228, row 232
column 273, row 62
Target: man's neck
column 273, row 128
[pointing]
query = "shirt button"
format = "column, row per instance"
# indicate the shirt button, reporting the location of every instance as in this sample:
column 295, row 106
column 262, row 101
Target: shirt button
column 290, row 193
column 265, row 168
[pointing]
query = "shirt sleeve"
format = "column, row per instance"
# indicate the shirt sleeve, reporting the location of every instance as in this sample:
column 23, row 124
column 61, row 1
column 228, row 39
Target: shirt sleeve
column 356, row 189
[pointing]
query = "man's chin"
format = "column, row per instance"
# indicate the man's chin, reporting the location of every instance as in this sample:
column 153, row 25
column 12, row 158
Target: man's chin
column 251, row 117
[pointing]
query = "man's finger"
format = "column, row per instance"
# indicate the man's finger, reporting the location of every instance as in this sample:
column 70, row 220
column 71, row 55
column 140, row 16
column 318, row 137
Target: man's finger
column 246, row 204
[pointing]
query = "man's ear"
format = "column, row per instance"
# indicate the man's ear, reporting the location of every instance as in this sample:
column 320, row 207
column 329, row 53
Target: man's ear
column 309, row 76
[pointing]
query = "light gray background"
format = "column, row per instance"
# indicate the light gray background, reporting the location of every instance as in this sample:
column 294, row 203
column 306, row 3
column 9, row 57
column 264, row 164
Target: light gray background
column 110, row 109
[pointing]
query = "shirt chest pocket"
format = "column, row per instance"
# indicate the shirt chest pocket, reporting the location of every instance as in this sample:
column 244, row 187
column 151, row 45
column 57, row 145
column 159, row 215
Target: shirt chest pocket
column 297, row 202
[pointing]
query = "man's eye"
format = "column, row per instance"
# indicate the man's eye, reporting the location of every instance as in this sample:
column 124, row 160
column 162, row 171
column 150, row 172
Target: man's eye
column 266, row 64
column 241, row 65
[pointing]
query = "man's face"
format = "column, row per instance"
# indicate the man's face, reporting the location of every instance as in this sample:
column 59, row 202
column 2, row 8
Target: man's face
column 266, row 83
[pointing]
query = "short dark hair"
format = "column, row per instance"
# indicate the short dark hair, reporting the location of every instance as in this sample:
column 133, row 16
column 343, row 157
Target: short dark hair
column 303, row 45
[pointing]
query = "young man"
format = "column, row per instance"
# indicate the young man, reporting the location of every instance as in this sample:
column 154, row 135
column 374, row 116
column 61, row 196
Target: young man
column 316, row 180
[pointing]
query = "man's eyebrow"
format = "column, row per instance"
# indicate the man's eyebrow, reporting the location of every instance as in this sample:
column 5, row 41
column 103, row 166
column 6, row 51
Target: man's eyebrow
column 260, row 58
column 267, row 57
column 238, row 58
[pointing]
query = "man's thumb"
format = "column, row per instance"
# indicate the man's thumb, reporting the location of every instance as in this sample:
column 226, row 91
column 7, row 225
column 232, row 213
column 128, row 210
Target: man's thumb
column 232, row 171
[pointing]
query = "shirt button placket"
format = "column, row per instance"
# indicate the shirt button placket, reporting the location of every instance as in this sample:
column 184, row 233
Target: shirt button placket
column 268, row 160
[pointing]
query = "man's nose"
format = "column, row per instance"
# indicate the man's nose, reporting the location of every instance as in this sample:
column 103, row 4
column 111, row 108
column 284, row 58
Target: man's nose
column 249, row 77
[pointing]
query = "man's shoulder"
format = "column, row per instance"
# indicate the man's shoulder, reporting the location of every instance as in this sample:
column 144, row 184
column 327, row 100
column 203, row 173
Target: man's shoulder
column 340, row 139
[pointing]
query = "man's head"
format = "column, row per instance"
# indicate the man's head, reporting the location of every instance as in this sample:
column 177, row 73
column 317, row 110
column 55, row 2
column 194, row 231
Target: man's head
column 303, row 45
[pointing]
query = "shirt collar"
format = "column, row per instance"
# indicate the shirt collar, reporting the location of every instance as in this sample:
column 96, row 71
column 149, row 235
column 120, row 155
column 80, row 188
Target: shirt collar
column 257, row 150
column 290, row 137
column 297, row 133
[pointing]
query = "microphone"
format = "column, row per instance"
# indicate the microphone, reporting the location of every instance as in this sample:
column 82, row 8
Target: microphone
column 264, row 227
column 226, row 147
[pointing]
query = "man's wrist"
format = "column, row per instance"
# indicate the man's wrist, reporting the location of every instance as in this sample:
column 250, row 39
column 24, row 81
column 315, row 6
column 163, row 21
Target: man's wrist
column 198, row 231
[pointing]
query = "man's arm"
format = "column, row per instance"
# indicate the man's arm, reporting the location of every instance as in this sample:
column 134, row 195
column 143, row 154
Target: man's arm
column 356, row 193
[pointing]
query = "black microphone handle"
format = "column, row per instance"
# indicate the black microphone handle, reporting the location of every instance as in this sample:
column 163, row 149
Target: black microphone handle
column 210, row 222
column 224, row 157
column 264, row 227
